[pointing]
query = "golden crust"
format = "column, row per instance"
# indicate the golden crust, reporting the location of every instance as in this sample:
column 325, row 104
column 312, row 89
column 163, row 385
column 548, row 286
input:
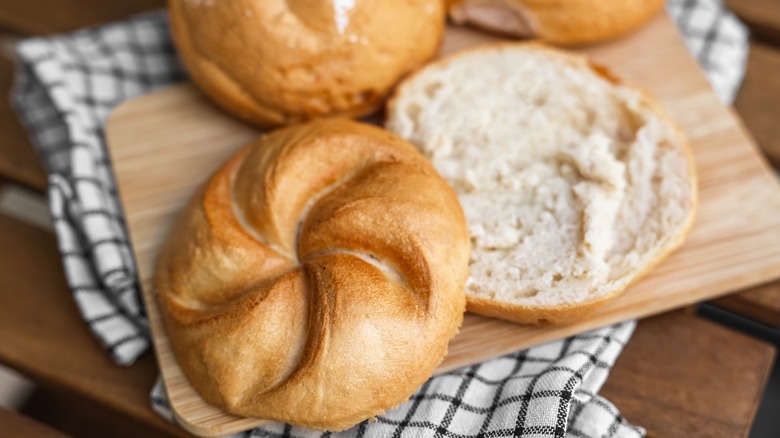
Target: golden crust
column 572, row 22
column 543, row 315
column 274, row 62
column 317, row 278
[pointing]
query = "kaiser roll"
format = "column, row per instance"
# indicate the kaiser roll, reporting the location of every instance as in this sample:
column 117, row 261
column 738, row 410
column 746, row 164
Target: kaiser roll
column 275, row 62
column 317, row 278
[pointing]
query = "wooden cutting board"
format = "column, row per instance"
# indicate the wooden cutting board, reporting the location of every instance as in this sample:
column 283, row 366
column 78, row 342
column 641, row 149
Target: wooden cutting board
column 165, row 145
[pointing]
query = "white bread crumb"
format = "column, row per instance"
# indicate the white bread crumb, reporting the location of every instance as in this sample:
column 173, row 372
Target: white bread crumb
column 572, row 185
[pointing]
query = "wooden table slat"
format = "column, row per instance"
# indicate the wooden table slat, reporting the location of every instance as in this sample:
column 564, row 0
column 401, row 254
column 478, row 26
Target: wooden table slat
column 683, row 376
column 760, row 304
column 54, row 16
column 758, row 102
column 762, row 16
column 13, row 424
column 44, row 337
column 18, row 161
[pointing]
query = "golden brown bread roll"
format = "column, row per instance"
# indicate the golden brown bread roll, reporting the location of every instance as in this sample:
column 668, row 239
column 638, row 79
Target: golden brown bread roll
column 276, row 62
column 567, row 22
column 317, row 277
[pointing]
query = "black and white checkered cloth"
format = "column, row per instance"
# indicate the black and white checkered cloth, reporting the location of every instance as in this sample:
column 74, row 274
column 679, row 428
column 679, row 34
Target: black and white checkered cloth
column 545, row 391
column 67, row 85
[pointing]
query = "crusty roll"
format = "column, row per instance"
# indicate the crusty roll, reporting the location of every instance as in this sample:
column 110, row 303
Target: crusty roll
column 317, row 278
column 573, row 183
column 275, row 62
column 568, row 22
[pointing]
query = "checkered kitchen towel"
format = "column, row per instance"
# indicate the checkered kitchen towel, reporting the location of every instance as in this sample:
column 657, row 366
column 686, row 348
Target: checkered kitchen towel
column 68, row 84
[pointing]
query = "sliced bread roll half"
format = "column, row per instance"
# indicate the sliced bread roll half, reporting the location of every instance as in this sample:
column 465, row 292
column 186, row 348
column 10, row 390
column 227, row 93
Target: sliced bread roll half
column 573, row 183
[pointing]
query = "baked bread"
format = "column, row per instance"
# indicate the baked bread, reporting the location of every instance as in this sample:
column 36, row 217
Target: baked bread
column 317, row 278
column 567, row 22
column 573, row 183
column 276, row 62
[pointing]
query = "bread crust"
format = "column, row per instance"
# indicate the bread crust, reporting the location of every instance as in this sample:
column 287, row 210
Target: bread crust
column 571, row 22
column 317, row 278
column 557, row 314
column 273, row 62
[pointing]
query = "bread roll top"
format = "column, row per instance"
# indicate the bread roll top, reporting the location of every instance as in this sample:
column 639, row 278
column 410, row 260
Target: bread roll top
column 317, row 278
column 276, row 62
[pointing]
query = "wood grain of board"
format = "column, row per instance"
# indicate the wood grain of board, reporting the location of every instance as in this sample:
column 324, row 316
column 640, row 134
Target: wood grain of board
column 165, row 145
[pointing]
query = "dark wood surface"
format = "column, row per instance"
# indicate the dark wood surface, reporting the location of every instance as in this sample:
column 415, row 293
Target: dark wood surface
column 18, row 161
column 13, row 424
column 760, row 304
column 35, row 17
column 679, row 375
column 80, row 417
column 759, row 99
column 43, row 337
column 52, row 16
column 761, row 16
column 683, row 376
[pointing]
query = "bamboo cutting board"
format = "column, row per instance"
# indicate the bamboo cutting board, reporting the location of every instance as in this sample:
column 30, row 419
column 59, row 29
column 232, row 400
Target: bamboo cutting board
column 165, row 145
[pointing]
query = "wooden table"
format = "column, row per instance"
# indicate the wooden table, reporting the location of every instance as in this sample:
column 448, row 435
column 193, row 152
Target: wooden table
column 14, row 424
column 680, row 375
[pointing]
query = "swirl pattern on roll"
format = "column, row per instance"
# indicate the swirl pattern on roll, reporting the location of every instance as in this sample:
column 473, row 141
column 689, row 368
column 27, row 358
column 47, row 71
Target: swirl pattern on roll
column 317, row 278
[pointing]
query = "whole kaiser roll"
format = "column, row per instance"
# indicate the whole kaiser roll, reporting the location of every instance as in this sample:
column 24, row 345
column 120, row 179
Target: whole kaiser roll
column 317, row 278
column 276, row 62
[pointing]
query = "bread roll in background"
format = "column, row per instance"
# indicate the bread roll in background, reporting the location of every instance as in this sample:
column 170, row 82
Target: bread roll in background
column 567, row 22
column 573, row 184
column 317, row 278
column 274, row 62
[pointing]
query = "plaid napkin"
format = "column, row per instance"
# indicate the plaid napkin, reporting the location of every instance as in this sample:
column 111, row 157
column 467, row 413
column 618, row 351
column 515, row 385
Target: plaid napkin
column 67, row 86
